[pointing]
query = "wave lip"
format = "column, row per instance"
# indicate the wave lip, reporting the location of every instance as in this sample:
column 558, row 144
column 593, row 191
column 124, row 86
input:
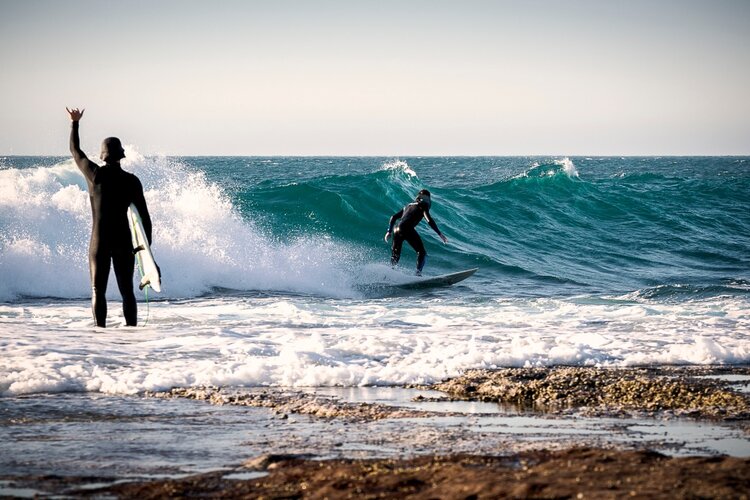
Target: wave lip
column 561, row 166
column 399, row 166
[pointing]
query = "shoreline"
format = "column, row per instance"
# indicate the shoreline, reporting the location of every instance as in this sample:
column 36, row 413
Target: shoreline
column 711, row 393
column 572, row 473
column 523, row 432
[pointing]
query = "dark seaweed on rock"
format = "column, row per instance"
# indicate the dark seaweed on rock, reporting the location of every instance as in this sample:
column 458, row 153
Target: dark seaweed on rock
column 602, row 390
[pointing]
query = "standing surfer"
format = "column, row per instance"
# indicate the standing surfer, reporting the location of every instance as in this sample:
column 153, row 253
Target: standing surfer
column 410, row 216
column 111, row 191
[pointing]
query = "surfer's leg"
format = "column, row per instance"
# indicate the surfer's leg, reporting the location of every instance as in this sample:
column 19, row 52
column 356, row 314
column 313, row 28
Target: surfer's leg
column 398, row 241
column 421, row 261
column 416, row 242
column 124, row 263
column 99, row 264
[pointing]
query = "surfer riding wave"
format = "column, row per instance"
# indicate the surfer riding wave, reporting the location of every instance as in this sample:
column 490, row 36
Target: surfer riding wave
column 410, row 216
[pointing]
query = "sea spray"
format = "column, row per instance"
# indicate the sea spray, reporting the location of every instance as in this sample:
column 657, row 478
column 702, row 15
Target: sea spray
column 200, row 240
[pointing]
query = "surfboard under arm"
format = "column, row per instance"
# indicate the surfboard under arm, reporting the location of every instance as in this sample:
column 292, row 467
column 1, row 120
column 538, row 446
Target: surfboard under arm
column 142, row 250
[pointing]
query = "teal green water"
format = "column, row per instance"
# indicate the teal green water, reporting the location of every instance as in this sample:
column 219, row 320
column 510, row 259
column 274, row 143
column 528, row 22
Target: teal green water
column 534, row 226
column 662, row 228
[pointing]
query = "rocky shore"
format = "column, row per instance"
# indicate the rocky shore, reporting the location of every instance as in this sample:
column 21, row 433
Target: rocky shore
column 671, row 391
column 547, row 469
column 574, row 473
column 697, row 392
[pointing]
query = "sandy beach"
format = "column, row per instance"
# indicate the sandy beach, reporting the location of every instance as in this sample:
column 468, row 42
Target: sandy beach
column 566, row 432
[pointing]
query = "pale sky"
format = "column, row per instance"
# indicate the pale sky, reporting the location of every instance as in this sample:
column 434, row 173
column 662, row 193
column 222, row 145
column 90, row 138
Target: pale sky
column 380, row 77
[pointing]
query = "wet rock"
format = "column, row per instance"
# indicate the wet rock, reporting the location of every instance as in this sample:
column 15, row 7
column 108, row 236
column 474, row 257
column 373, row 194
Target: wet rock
column 574, row 473
column 263, row 462
column 290, row 402
column 680, row 391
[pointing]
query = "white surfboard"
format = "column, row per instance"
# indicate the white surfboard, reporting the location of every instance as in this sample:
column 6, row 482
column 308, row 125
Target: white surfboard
column 142, row 250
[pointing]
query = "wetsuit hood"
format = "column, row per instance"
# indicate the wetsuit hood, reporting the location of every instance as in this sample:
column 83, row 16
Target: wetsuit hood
column 112, row 150
column 423, row 199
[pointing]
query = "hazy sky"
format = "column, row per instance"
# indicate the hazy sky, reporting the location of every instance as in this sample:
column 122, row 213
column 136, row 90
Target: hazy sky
column 378, row 77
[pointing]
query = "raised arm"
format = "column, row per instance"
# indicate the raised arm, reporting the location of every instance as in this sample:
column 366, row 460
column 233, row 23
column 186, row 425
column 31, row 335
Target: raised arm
column 86, row 166
column 433, row 225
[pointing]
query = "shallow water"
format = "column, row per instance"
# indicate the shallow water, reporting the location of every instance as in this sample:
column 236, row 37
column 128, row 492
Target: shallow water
column 121, row 437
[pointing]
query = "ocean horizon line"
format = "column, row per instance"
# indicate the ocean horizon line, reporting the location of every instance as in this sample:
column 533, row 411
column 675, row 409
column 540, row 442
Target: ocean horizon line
column 541, row 155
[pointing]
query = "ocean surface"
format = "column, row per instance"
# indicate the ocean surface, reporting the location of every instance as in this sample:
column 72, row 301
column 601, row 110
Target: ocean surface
column 274, row 270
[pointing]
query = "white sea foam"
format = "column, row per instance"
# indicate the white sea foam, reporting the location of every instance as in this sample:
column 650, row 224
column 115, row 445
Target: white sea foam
column 200, row 241
column 564, row 165
column 399, row 166
column 568, row 167
column 304, row 341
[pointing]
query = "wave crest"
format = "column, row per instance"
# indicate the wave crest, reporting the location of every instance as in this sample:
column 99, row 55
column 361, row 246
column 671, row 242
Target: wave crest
column 399, row 166
column 564, row 166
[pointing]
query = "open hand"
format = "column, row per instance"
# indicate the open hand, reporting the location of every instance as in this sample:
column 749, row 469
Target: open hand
column 75, row 113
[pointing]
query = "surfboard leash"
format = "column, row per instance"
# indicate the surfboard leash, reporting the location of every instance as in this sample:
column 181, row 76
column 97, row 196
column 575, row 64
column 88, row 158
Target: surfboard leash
column 145, row 288
column 148, row 308
column 139, row 263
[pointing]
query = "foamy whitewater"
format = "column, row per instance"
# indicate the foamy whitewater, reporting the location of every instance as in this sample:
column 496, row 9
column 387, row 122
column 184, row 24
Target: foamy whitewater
column 270, row 267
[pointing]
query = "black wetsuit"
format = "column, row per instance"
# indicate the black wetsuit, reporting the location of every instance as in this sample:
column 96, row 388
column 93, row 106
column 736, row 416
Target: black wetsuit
column 410, row 216
column 111, row 191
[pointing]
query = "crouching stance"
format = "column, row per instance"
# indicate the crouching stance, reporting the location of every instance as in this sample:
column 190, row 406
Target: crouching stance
column 406, row 230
